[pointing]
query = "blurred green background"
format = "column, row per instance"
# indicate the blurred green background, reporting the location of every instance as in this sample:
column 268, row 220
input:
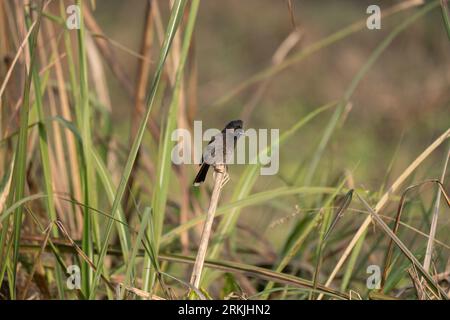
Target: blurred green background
column 402, row 102
column 404, row 98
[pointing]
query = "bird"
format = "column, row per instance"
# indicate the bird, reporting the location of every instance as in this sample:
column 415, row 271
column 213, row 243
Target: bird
column 220, row 149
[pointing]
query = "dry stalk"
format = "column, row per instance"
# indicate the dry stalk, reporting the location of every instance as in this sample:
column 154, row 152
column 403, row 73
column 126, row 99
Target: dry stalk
column 429, row 252
column 201, row 254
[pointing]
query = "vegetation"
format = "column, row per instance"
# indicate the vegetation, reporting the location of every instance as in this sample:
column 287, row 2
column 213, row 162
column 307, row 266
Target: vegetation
column 88, row 187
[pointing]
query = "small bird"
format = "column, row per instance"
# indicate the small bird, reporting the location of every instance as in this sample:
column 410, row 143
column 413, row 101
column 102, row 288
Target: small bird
column 220, row 149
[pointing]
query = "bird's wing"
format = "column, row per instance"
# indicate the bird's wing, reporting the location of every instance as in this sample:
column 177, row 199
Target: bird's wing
column 214, row 148
column 203, row 154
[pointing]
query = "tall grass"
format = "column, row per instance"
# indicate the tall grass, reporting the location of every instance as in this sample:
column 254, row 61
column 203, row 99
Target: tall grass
column 72, row 192
column 18, row 176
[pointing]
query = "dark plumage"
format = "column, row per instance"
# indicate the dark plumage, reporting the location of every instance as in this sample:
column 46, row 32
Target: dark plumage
column 218, row 146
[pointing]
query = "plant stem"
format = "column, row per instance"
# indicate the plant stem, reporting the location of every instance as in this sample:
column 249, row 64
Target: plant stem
column 201, row 254
column 429, row 252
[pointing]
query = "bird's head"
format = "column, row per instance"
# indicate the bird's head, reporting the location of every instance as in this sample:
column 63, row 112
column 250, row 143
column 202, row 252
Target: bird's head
column 236, row 126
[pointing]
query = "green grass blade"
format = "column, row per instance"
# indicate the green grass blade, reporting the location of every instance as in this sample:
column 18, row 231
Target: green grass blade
column 349, row 271
column 252, row 200
column 19, row 175
column 329, row 226
column 108, row 186
column 90, row 224
column 176, row 15
column 17, row 205
column 444, row 10
column 405, row 250
column 5, row 187
column 45, row 158
column 257, row 272
column 131, row 262
column 164, row 159
column 301, row 237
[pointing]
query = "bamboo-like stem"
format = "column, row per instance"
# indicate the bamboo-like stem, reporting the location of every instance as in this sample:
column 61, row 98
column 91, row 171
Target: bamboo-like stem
column 201, row 254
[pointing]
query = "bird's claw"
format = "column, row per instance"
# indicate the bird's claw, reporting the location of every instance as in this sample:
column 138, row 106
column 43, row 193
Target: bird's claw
column 226, row 178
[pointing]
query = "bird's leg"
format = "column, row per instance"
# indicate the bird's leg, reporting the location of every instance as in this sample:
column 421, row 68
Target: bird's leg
column 223, row 170
column 226, row 177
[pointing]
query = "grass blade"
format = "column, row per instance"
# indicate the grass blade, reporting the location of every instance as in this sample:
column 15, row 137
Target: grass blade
column 256, row 272
column 404, row 249
column 252, row 200
column 20, row 158
column 131, row 261
column 164, row 158
column 175, row 18
column 45, row 159
column 300, row 238
column 444, row 10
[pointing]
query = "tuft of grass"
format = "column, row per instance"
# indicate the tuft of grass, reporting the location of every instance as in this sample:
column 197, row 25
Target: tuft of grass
column 19, row 171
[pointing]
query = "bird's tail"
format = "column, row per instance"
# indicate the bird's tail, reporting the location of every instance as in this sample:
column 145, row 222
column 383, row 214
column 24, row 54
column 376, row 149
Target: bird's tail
column 201, row 175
